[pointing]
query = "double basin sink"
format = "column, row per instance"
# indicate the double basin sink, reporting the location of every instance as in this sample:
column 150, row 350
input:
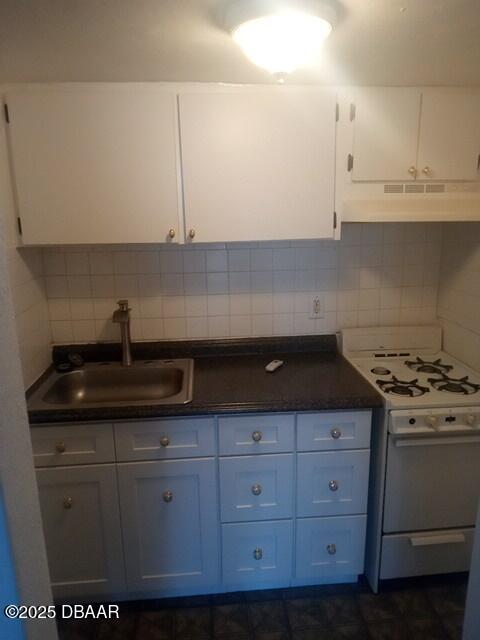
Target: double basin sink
column 152, row 382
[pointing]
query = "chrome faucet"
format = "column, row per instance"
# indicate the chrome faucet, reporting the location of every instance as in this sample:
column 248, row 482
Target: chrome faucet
column 122, row 316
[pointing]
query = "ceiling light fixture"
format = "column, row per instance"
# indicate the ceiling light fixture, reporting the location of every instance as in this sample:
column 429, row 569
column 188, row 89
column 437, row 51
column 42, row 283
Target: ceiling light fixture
column 280, row 35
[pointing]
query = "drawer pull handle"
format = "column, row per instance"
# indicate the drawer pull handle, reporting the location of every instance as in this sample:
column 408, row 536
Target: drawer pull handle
column 167, row 496
column 257, row 436
column 332, row 549
column 336, row 433
column 164, row 441
column 60, row 447
column 258, row 554
column 333, row 485
column 427, row 541
column 67, row 503
column 256, row 489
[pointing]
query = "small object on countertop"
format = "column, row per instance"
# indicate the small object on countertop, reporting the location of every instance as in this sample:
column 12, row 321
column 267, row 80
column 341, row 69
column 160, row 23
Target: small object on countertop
column 273, row 365
column 64, row 367
column 76, row 359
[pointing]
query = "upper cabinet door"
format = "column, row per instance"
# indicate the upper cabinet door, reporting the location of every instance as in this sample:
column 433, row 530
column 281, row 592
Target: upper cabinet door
column 449, row 145
column 385, row 134
column 258, row 164
column 95, row 164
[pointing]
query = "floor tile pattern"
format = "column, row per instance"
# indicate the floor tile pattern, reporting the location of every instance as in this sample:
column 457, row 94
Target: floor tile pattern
column 423, row 609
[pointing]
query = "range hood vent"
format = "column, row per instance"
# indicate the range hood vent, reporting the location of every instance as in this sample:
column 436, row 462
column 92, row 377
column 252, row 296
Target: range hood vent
column 430, row 204
column 414, row 188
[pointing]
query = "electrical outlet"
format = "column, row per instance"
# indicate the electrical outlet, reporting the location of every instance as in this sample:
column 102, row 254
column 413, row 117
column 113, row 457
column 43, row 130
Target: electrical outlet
column 317, row 306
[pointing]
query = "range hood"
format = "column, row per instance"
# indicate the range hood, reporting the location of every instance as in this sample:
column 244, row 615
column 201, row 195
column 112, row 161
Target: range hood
column 444, row 207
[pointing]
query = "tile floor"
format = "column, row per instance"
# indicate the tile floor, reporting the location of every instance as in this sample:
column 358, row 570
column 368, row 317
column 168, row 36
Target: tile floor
column 423, row 609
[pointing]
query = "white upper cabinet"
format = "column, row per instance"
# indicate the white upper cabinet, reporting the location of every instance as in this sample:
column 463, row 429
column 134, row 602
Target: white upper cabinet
column 449, row 144
column 95, row 164
column 410, row 134
column 385, row 134
column 258, row 164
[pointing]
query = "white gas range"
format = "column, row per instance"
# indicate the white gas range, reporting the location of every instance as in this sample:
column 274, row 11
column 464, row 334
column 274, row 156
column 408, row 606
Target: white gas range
column 425, row 482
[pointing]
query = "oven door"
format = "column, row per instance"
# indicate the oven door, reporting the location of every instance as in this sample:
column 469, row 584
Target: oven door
column 431, row 482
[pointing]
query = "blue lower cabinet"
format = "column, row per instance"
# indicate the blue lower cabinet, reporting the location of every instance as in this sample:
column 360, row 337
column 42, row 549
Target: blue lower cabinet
column 256, row 487
column 329, row 548
column 257, row 554
column 170, row 525
column 332, row 483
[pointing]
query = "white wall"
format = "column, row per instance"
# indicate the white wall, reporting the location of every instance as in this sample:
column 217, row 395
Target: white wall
column 377, row 274
column 27, row 284
column 459, row 291
column 17, row 475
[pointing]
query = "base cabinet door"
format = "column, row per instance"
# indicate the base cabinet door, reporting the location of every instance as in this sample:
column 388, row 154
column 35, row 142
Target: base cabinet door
column 81, row 523
column 257, row 554
column 329, row 548
column 170, row 525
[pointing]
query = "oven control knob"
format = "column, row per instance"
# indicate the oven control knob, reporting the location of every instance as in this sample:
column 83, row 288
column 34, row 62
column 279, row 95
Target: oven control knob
column 471, row 419
column 432, row 421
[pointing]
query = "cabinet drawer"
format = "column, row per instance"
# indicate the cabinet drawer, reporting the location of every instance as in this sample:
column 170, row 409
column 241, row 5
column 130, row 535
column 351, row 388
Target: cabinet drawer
column 426, row 553
column 256, row 487
column 332, row 483
column 334, row 430
column 330, row 547
column 256, row 434
column 72, row 444
column 257, row 553
column 164, row 439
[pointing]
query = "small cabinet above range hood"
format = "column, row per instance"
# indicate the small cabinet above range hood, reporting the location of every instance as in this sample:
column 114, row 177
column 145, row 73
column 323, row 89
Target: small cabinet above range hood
column 445, row 207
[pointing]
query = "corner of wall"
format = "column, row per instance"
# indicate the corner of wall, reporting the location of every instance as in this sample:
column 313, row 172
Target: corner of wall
column 27, row 283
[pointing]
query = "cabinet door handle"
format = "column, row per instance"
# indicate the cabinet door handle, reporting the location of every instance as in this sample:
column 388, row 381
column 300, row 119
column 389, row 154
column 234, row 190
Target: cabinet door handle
column 258, row 554
column 171, row 233
column 427, row 171
column 257, row 436
column 333, row 485
column 256, row 489
column 412, row 171
column 60, row 447
column 167, row 496
column 332, row 549
column 164, row 441
column 67, row 503
column 191, row 234
column 336, row 433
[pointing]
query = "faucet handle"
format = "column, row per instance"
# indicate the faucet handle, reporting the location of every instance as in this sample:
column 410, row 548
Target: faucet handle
column 123, row 305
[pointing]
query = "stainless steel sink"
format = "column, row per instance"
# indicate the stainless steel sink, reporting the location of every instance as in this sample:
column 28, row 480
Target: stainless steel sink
column 111, row 384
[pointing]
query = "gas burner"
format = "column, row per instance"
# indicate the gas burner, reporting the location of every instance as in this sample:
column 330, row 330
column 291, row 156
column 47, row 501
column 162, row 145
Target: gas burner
column 380, row 371
column 454, row 385
column 402, row 387
column 423, row 366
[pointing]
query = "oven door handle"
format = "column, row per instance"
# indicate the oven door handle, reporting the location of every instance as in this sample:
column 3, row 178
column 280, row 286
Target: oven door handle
column 447, row 538
column 436, row 440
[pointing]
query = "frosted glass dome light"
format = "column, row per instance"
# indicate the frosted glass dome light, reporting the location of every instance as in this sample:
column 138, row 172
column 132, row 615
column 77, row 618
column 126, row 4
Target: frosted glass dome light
column 280, row 36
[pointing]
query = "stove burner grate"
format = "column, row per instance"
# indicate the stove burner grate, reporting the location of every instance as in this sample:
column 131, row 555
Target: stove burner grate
column 409, row 388
column 423, row 366
column 454, row 385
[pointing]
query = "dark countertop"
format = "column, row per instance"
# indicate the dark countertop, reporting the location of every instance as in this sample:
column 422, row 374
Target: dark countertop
column 230, row 377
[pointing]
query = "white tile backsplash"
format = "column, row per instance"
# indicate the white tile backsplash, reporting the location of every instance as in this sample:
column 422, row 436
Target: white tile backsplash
column 377, row 273
column 459, row 291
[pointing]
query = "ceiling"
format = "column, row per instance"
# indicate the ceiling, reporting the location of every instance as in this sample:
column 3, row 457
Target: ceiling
column 387, row 42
